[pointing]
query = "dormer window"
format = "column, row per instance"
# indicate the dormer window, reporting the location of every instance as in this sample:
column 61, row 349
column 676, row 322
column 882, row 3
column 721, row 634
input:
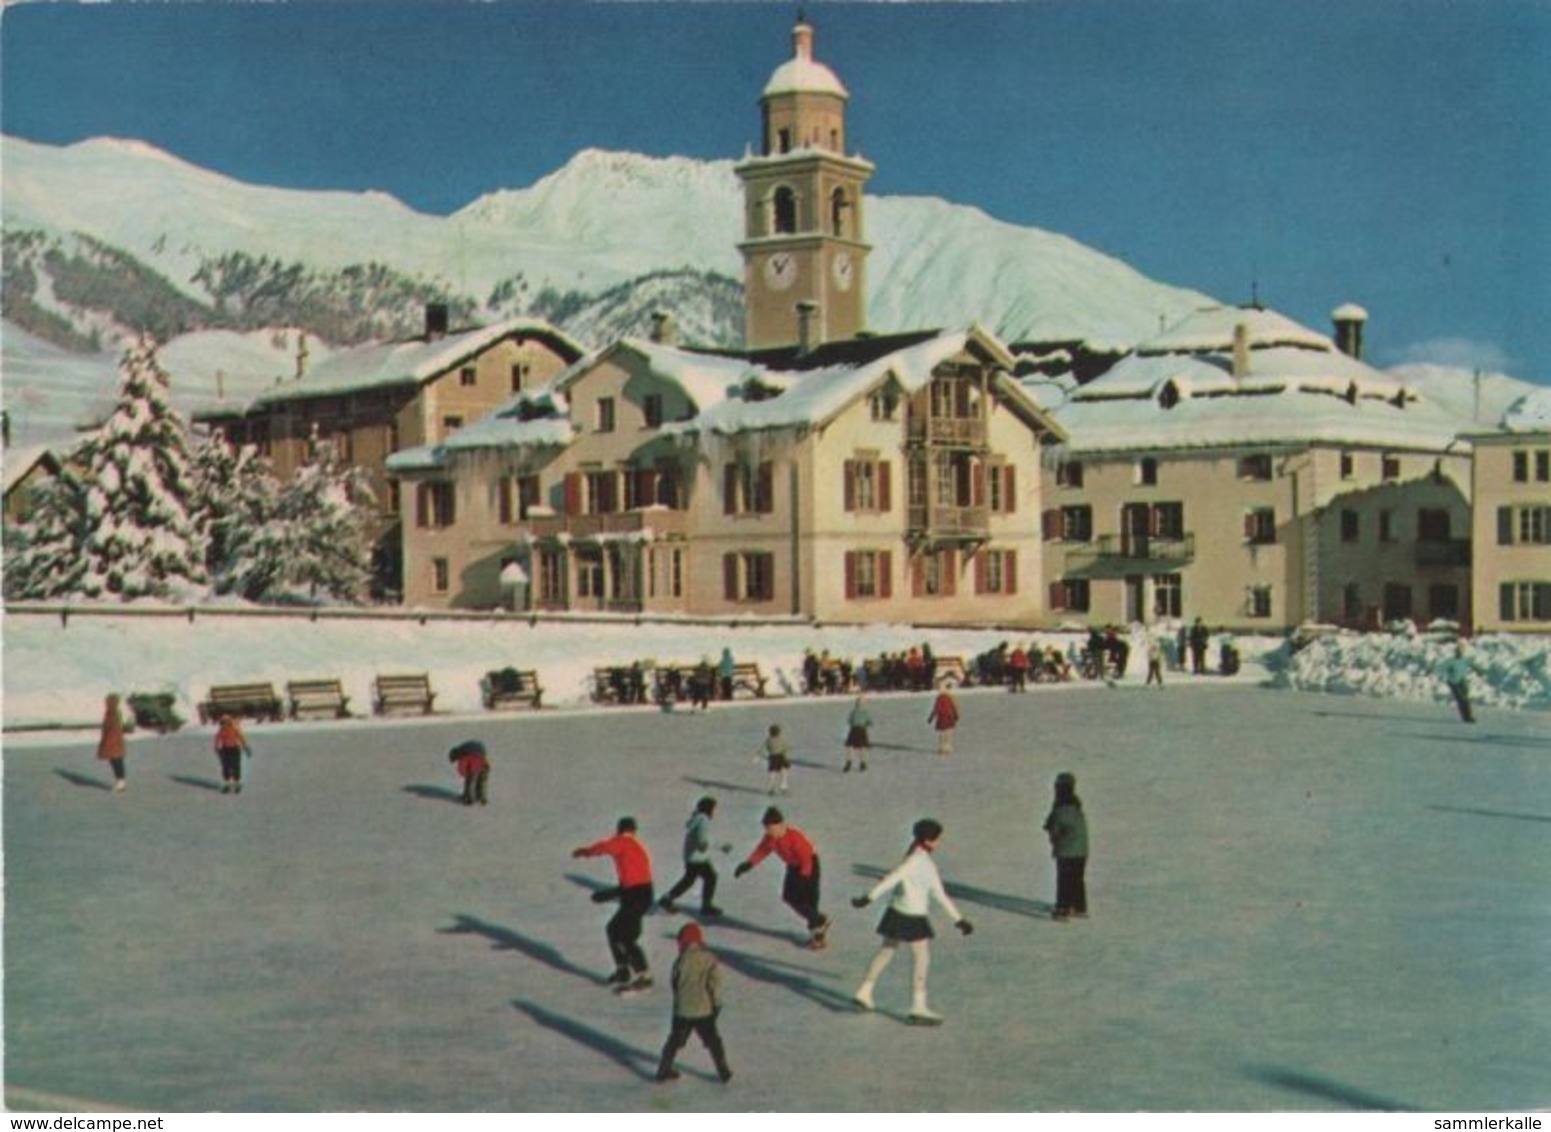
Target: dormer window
column 1168, row 396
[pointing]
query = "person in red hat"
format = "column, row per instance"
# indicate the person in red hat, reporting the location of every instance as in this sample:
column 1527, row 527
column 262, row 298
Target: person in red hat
column 633, row 866
column 697, row 1001
column 800, row 890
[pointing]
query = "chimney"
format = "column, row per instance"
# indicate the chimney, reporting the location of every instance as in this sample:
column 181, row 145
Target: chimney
column 435, row 321
column 1348, row 320
column 1241, row 349
column 665, row 331
column 805, row 328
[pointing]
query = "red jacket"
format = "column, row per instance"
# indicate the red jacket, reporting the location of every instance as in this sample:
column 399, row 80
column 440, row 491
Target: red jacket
column 945, row 713
column 793, row 847
column 631, row 860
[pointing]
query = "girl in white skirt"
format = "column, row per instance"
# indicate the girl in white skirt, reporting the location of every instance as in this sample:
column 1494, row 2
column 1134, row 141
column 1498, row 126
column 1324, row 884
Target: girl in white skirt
column 915, row 883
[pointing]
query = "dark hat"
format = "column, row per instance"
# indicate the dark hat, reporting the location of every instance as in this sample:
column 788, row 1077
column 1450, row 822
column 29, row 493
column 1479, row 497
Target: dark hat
column 772, row 816
column 1066, row 779
column 625, row 825
column 705, row 805
column 927, row 830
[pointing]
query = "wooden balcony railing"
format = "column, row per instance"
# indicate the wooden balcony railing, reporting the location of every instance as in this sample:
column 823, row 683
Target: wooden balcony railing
column 659, row 520
column 949, row 522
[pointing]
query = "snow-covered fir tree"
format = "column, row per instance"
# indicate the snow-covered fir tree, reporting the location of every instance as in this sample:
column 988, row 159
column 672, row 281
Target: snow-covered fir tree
column 120, row 522
column 315, row 545
column 238, row 497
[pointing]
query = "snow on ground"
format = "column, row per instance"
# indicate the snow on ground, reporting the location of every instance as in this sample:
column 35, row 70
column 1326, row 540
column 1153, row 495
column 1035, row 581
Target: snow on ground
column 1300, row 902
column 57, row 671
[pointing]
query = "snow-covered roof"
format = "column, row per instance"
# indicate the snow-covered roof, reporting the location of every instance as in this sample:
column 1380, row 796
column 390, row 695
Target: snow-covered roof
column 19, row 461
column 410, row 363
column 1530, row 413
column 802, row 73
column 1179, row 391
column 535, row 418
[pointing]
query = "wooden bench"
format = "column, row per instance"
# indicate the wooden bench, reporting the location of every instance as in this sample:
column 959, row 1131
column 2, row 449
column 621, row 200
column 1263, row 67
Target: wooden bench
column 317, row 697
column 153, row 711
column 409, row 692
column 952, row 672
column 746, row 675
column 619, row 684
column 675, row 683
column 511, row 688
column 246, row 701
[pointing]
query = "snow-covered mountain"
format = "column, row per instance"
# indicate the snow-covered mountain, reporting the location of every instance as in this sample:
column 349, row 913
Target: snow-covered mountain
column 600, row 222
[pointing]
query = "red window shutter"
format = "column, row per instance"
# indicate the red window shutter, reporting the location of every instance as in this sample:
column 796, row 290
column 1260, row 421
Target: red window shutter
column 504, row 500
column 977, row 486
column 729, row 489
column 1009, row 489
column 848, row 491
column 918, row 575
column 1050, row 525
column 884, row 496
column 573, row 493
column 850, row 574
column 764, row 491
column 1010, row 572
column 1057, row 595
column 730, row 577
column 950, row 572
column 980, row 570
column 885, row 574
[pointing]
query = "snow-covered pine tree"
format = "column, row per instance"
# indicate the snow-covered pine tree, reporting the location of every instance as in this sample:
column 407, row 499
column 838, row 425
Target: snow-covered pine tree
column 43, row 558
column 238, row 499
column 120, row 523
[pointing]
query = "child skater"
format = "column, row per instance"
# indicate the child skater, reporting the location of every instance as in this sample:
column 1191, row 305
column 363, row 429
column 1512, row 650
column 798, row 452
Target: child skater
column 945, row 717
column 800, row 889
column 697, row 1000
column 230, row 745
column 778, row 761
column 1067, row 828
column 473, row 763
column 697, row 861
column 857, row 741
column 915, row 884
column 633, row 867
column 110, row 742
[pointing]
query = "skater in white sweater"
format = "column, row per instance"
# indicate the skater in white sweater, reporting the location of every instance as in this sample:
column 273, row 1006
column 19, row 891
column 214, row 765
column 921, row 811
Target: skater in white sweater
column 915, row 883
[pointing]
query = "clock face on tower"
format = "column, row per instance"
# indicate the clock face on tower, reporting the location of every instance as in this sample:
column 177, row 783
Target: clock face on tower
column 844, row 270
column 780, row 271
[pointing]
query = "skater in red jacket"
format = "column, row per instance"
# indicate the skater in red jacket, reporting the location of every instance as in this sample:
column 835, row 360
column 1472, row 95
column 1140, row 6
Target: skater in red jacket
column 633, row 866
column 800, row 890
column 945, row 717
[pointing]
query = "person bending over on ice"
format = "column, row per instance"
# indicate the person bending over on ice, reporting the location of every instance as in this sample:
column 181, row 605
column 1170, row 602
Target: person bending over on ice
column 697, row 1000
column 473, row 764
column 800, row 890
column 915, row 884
column 697, row 860
column 1068, row 830
column 230, row 745
column 633, row 866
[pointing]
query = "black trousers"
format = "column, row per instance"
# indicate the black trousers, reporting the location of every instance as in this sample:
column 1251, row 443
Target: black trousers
column 476, row 787
column 678, row 1037
column 624, row 928
column 702, row 871
column 1462, row 701
column 231, row 763
column 1071, row 887
column 801, row 894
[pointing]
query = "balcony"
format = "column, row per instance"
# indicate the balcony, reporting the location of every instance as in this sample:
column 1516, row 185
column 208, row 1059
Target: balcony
column 947, row 432
column 615, row 524
column 949, row 524
column 1443, row 552
column 1114, row 555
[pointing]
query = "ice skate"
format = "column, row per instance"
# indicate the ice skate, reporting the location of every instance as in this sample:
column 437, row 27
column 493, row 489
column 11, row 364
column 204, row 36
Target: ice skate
column 638, row 985
column 863, row 997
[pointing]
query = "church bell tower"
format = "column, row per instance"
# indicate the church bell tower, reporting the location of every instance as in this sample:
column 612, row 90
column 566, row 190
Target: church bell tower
column 804, row 257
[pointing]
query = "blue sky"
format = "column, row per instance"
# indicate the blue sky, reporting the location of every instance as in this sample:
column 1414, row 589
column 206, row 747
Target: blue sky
column 1392, row 152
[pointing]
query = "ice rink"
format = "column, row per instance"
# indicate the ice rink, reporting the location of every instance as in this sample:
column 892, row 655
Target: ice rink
column 1300, row 902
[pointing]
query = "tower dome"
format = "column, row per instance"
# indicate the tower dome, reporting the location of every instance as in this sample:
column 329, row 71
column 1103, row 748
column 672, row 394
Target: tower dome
column 802, row 73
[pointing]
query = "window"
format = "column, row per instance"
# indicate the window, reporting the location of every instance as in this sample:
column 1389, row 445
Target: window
column 527, row 495
column 1397, row 602
column 676, row 573
column 884, row 404
column 1432, row 524
column 505, row 501
column 917, row 485
column 519, row 371
column 1525, row 601
column 1167, row 595
column 1352, row 603
column 1443, row 602
column 1069, row 473
column 838, row 208
column 748, row 489
column 602, row 492
column 468, row 377
column 1534, row 525
column 785, row 201
column 441, row 575
column 935, row 574
column 651, row 408
column 1070, row 594
column 1168, row 521
column 996, row 572
column 1002, row 488
column 1070, row 524
column 589, row 573
column 605, row 414
column 551, row 577
column 1350, row 526
column 1260, row 526
column 451, row 424
column 748, row 577
column 868, row 574
column 1521, row 467
column 1348, row 468
column 1389, row 466
column 1256, row 467
column 1543, row 466
column 435, row 505
column 1386, row 526
column 1258, row 603
column 1147, row 471
column 867, row 484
